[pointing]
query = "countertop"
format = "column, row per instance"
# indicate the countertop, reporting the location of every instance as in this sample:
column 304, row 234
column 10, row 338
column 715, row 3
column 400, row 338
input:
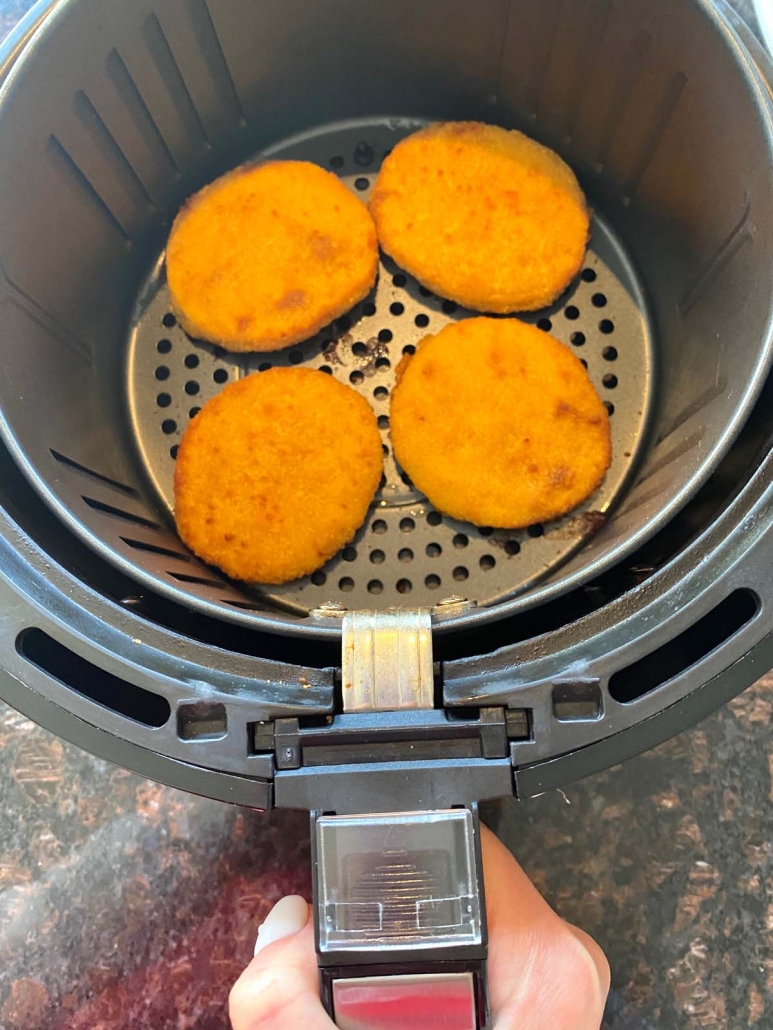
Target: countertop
column 125, row 905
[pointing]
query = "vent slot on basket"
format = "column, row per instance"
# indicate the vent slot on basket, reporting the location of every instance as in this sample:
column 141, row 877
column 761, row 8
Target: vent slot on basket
column 686, row 650
column 89, row 680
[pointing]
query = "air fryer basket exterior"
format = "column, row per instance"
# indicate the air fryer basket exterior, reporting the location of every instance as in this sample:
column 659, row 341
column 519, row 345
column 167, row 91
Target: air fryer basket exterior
column 110, row 121
column 53, row 586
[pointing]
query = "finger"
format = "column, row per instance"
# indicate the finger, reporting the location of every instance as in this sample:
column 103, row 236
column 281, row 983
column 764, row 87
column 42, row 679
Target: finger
column 598, row 956
column 280, row 987
column 542, row 973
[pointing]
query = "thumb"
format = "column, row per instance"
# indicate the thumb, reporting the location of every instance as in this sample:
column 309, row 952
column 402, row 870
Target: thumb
column 280, row 987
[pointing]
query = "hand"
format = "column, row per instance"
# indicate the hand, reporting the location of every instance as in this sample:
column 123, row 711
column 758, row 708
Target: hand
column 543, row 972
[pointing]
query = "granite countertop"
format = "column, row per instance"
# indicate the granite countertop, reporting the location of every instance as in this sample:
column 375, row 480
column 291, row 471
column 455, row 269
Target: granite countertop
column 125, row 905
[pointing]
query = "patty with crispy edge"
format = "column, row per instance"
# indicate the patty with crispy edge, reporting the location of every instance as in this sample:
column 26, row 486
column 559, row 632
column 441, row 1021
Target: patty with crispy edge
column 482, row 215
column 499, row 424
column 276, row 473
column 267, row 255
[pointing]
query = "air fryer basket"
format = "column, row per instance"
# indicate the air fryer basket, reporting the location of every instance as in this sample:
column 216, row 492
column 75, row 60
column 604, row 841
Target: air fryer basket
column 120, row 111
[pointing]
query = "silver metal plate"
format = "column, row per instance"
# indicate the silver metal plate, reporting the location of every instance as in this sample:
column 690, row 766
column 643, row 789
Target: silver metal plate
column 387, row 660
column 406, row 553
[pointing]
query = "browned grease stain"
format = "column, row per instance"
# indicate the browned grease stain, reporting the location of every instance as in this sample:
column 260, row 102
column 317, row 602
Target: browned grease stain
column 338, row 351
column 580, row 526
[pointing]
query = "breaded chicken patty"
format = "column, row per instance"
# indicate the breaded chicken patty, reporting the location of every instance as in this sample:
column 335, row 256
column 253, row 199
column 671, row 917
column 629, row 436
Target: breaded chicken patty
column 481, row 215
column 267, row 255
column 499, row 424
column 276, row 473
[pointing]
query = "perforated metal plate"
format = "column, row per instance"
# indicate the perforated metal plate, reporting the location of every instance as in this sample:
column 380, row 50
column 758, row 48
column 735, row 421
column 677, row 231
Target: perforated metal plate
column 406, row 552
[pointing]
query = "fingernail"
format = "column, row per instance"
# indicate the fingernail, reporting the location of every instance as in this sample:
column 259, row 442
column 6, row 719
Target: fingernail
column 287, row 917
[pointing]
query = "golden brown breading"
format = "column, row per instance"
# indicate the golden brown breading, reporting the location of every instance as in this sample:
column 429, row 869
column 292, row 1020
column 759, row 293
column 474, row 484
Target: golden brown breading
column 267, row 255
column 276, row 473
column 481, row 215
column 499, row 424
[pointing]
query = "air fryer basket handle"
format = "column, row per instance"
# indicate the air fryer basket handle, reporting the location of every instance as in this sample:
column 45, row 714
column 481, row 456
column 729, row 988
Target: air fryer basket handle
column 400, row 919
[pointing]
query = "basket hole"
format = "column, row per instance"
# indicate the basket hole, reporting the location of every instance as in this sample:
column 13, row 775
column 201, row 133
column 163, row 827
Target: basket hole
column 264, row 366
column 407, row 525
column 169, row 426
column 449, row 307
column 364, row 154
column 383, row 363
column 433, row 582
column 164, row 400
column 220, row 375
column 173, row 451
column 609, row 354
column 599, row 300
column 399, row 279
column 377, row 557
column 583, row 362
column 434, row 518
column 404, row 586
column 192, row 387
column 381, row 393
column 296, row 357
column 201, row 721
column 384, row 450
column 194, row 412
column 512, row 547
column 169, row 320
column 356, row 377
column 588, row 275
column 375, row 586
column 323, row 368
column 346, row 583
column 359, row 349
column 385, row 335
column 337, row 161
column 433, row 550
column 383, row 421
column 461, row 540
column 606, row 326
column 344, row 324
column 687, row 649
column 487, row 561
column 425, row 292
column 609, row 381
column 369, row 308
column 536, row 531
column 409, row 349
column 164, row 346
column 191, row 360
column 572, row 312
column 397, row 308
column 544, row 324
column 577, row 702
column 610, row 407
column 318, row 578
column 379, row 527
column 361, row 183
column 486, row 531
column 460, row 573
column 578, row 339
column 349, row 554
column 405, row 554
column 162, row 373
column 422, row 321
